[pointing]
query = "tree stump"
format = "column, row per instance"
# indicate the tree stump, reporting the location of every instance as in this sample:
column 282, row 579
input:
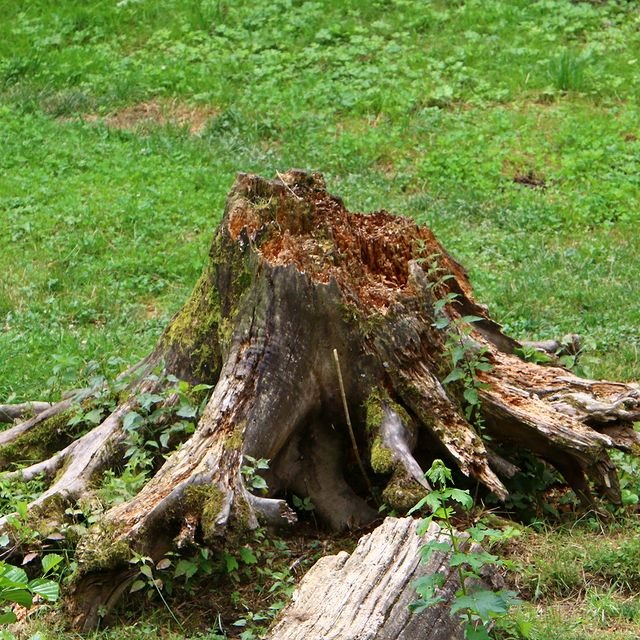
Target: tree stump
column 349, row 351
column 366, row 595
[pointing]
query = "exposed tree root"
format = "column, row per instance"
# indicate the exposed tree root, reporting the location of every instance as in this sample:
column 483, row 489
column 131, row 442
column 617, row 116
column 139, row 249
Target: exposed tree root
column 12, row 412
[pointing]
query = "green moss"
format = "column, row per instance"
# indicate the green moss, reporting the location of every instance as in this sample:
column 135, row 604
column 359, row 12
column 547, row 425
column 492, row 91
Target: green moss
column 39, row 442
column 205, row 501
column 375, row 411
column 101, row 549
column 241, row 514
column 235, row 440
column 381, row 457
column 402, row 492
column 194, row 329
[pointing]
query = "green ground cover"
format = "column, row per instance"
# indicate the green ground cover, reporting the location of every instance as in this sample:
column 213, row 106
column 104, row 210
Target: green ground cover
column 509, row 126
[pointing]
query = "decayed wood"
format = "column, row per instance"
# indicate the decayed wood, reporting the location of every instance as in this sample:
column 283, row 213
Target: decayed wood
column 366, row 595
column 11, row 412
column 293, row 278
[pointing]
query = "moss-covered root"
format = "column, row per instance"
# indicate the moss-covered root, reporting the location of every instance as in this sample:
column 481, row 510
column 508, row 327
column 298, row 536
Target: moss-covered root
column 392, row 437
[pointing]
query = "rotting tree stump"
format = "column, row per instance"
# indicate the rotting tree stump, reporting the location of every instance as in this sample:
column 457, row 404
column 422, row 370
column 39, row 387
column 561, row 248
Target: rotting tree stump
column 296, row 290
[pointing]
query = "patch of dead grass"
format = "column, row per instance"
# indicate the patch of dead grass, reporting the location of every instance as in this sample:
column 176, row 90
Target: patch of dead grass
column 145, row 116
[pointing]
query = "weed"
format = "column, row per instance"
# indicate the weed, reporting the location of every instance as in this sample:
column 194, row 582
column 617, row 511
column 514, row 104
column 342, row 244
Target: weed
column 477, row 608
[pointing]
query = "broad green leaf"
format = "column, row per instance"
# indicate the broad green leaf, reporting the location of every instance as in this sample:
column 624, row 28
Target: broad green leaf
column 187, row 411
column 47, row 589
column 471, row 319
column 50, row 561
column 185, row 568
column 146, row 400
column 146, row 571
column 475, row 559
column 456, row 374
column 457, row 354
column 4, row 540
column 485, row 604
column 462, row 497
column 258, row 482
column 424, row 525
column 230, row 563
column 201, row 387
column 7, row 617
column 20, row 596
column 93, row 417
column 442, row 322
column 137, row 585
column 131, row 421
column 471, row 632
column 433, row 500
column 417, row 506
column 471, row 395
column 14, row 574
column 432, row 547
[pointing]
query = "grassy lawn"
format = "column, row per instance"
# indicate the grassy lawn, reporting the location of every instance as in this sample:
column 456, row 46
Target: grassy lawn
column 508, row 126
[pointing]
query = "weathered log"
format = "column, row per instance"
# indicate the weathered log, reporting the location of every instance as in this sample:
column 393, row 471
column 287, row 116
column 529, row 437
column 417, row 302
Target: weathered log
column 292, row 278
column 366, row 595
column 11, row 412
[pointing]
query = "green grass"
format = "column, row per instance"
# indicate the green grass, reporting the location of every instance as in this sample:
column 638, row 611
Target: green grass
column 435, row 109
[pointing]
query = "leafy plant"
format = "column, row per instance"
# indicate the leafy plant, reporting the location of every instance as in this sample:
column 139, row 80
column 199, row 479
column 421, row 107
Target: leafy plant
column 17, row 588
column 250, row 472
column 467, row 356
column 478, row 608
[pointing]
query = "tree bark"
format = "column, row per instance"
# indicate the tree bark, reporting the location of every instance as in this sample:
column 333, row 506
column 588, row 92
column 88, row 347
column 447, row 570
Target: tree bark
column 292, row 278
column 366, row 595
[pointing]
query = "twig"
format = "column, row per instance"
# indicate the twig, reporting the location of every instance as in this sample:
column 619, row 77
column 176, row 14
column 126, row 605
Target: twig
column 349, row 425
column 293, row 193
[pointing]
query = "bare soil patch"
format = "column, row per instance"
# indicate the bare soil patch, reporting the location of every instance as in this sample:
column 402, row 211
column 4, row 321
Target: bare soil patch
column 154, row 113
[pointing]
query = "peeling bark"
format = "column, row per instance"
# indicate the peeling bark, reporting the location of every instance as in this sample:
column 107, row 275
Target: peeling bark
column 291, row 277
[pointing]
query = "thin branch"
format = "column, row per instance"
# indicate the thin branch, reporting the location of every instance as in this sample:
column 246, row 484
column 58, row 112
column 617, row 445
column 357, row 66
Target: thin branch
column 354, row 444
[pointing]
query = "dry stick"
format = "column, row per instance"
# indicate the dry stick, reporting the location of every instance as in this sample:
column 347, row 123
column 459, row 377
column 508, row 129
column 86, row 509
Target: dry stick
column 348, row 417
column 293, row 193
